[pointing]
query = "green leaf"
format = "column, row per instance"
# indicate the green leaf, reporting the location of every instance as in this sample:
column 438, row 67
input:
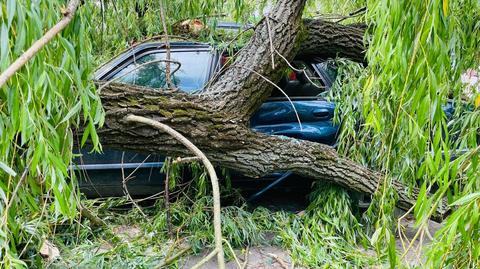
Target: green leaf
column 4, row 61
column 11, row 6
column 7, row 169
column 72, row 112
column 466, row 199
column 392, row 254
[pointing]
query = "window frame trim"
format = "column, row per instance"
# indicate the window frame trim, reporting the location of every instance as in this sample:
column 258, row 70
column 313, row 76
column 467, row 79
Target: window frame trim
column 114, row 66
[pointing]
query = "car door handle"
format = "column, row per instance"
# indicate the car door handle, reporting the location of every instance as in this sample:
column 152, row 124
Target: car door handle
column 321, row 113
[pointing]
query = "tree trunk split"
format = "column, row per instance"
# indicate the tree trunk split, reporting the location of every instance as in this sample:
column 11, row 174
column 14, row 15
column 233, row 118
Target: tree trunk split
column 216, row 119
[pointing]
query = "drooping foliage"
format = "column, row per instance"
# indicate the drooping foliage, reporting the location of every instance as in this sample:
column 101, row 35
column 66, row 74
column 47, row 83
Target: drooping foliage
column 391, row 113
column 325, row 235
column 408, row 116
column 38, row 108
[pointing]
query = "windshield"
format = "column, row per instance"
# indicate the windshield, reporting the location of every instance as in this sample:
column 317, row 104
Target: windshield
column 191, row 75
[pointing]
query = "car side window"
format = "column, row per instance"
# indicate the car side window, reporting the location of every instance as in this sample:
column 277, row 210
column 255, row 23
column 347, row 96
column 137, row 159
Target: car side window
column 192, row 73
column 328, row 71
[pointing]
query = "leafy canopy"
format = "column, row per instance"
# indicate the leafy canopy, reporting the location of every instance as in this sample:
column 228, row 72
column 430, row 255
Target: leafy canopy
column 391, row 113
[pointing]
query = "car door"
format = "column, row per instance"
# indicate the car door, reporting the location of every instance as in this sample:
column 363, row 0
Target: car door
column 305, row 85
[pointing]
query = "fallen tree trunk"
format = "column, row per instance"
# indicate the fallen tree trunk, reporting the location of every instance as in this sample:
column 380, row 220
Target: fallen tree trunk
column 216, row 120
column 333, row 39
column 228, row 142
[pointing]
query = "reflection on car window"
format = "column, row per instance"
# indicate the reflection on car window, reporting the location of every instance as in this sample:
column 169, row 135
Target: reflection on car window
column 191, row 76
column 329, row 69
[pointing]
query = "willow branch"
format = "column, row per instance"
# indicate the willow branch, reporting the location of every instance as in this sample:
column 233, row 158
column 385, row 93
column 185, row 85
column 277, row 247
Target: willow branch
column 39, row 44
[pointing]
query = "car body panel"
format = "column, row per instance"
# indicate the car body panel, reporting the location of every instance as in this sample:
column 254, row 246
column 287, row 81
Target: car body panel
column 279, row 118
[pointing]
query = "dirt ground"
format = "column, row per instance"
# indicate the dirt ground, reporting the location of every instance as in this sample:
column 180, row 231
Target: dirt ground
column 269, row 257
column 258, row 258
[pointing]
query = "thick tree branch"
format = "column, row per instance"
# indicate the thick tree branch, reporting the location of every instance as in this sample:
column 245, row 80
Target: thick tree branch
column 329, row 40
column 238, row 90
column 277, row 37
column 227, row 143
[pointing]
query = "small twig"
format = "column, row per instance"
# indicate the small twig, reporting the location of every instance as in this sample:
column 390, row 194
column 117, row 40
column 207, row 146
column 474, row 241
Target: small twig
column 130, row 176
column 233, row 253
column 39, row 44
column 401, row 234
column 96, row 221
column 339, row 17
column 167, row 45
column 355, row 13
column 279, row 260
column 299, row 70
column 167, row 199
column 272, row 49
column 125, row 188
column 15, row 191
column 245, row 261
column 185, row 160
column 278, row 88
column 205, row 259
column 173, row 258
column 102, row 28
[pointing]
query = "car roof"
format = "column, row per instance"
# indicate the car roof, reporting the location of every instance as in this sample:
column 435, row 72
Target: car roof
column 232, row 25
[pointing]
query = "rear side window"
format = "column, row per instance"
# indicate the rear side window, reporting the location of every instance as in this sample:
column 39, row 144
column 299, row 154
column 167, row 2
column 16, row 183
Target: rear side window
column 191, row 75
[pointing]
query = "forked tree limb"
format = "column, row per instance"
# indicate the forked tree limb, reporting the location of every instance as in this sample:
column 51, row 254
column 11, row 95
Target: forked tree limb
column 281, row 35
column 217, row 119
column 237, row 91
column 230, row 144
column 211, row 172
column 39, row 44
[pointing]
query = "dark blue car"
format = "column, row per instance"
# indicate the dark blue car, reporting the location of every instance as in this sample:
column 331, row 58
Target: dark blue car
column 193, row 65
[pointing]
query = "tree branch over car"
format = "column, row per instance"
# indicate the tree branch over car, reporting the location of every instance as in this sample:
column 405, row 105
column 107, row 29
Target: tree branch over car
column 216, row 119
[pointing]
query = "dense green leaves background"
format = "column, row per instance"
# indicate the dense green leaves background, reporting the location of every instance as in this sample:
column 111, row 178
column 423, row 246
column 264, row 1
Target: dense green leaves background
column 38, row 108
column 391, row 114
column 393, row 119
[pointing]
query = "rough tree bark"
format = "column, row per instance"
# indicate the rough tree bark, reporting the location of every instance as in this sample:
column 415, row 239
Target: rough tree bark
column 216, row 120
column 333, row 39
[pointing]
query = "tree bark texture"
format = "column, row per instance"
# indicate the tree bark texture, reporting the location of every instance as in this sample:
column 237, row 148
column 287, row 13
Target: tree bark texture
column 333, row 39
column 216, row 119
